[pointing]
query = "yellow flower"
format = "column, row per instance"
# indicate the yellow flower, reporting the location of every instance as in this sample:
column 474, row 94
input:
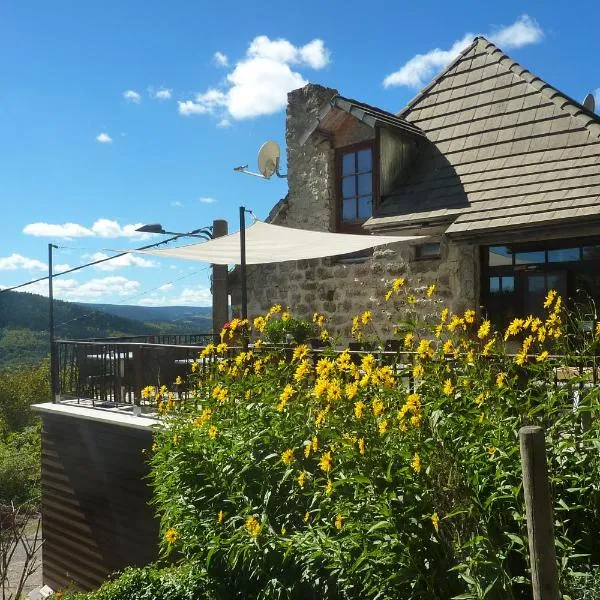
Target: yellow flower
column 212, row 432
column 285, row 316
column 319, row 319
column 300, row 352
column 438, row 330
column 366, row 317
column 344, row 361
column 484, row 330
column 542, row 356
column 339, row 521
column 383, row 427
column 315, row 444
column 325, row 462
column 411, row 299
column 288, row 392
column 301, row 479
column 220, row 516
column 487, row 348
column 171, row 536
column 435, row 520
column 448, row 387
column 175, row 439
column 550, row 298
column 377, row 406
column 469, row 316
column 448, row 347
column 283, row 530
column 259, row 323
column 444, row 315
column 320, row 419
column 430, row 290
column 424, row 349
column 492, row 450
column 359, row 407
column 415, row 420
column 409, row 339
column 361, row 445
column 287, row 456
column 398, row 283
column 195, row 366
column 208, row 350
column 222, row 348
column 456, row 322
column 306, row 517
column 481, row 417
column 219, row 393
column 415, row 463
column 253, row 526
column 302, row 371
column 329, row 488
column 418, row 371
column 598, row 328
column 324, row 367
column 307, row 451
column 388, row 295
column 154, row 447
column 334, row 390
column 480, row 398
column 276, row 308
column 351, row 390
column 500, row 380
column 514, row 328
column 149, row 391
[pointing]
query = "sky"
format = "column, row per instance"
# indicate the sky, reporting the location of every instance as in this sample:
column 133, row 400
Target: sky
column 115, row 114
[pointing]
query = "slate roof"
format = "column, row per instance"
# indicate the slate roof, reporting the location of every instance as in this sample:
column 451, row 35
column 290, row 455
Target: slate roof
column 508, row 150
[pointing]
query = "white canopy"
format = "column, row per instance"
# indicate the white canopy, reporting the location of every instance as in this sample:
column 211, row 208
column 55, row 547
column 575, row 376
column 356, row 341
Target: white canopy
column 267, row 243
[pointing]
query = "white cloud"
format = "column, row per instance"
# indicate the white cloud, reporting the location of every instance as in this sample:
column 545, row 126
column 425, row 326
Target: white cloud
column 190, row 296
column 259, row 82
column 176, row 204
column 94, row 289
column 207, row 200
column 597, row 98
column 61, row 268
column 104, row 228
column 223, row 123
column 128, row 260
column 163, row 94
column 17, row 261
column 166, row 286
column 421, row 68
column 104, row 138
column 132, row 96
column 220, row 59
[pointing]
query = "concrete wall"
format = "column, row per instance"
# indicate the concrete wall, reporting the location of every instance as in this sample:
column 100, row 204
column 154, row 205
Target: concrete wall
column 337, row 288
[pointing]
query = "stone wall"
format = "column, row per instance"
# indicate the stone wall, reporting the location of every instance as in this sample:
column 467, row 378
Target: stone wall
column 342, row 288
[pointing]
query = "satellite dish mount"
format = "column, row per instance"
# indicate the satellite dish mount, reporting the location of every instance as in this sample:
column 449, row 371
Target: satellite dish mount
column 268, row 162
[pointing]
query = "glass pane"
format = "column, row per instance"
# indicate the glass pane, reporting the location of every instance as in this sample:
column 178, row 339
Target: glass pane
column 494, row 285
column 508, row 284
column 365, row 160
column 365, row 184
column 349, row 187
column 591, row 252
column 365, row 207
column 349, row 210
column 499, row 255
column 563, row 255
column 432, row 249
column 553, row 281
column 349, row 163
column 528, row 258
column 536, row 283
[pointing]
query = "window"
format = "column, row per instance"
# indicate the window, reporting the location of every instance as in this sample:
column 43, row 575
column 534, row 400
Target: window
column 356, row 184
column 429, row 250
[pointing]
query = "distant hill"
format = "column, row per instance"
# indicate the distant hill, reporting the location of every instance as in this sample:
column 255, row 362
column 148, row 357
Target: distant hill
column 197, row 317
column 24, row 324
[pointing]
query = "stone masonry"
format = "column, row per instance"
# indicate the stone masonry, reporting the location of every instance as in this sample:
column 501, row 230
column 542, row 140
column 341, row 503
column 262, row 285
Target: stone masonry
column 336, row 287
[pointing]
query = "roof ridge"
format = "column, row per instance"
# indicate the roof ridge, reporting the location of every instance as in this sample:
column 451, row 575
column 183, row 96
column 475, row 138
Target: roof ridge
column 586, row 118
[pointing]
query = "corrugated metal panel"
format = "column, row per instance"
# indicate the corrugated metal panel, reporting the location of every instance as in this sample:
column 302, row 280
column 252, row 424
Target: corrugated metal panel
column 95, row 513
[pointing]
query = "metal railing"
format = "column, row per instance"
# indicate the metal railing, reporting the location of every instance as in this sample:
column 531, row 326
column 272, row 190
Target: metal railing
column 115, row 371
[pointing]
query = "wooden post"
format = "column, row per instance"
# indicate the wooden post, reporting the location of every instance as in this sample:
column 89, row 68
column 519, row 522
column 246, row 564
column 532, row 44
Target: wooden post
column 220, row 303
column 542, row 554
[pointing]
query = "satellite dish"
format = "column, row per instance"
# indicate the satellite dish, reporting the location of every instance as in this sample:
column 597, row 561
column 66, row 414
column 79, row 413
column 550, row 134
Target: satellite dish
column 268, row 159
column 590, row 103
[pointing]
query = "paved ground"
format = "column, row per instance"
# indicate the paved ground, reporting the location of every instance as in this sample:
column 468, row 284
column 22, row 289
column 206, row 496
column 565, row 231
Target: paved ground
column 18, row 561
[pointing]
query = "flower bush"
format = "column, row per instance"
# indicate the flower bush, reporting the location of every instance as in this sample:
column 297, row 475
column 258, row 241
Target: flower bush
column 297, row 474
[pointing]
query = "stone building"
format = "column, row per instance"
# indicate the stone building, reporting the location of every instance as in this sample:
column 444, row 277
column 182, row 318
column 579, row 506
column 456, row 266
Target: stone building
column 499, row 169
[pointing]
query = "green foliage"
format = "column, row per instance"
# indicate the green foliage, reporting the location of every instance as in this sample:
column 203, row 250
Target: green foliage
column 328, row 478
column 20, row 456
column 277, row 330
column 152, row 583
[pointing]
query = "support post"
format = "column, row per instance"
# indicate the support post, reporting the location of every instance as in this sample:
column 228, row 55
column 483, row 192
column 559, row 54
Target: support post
column 243, row 280
column 542, row 554
column 53, row 364
column 220, row 302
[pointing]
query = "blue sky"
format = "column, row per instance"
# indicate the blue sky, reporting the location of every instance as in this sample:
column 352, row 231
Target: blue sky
column 118, row 113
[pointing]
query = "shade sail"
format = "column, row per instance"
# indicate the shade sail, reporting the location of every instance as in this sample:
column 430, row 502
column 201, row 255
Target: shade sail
column 266, row 243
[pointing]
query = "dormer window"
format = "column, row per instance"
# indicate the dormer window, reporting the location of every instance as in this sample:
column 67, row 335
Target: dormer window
column 356, row 185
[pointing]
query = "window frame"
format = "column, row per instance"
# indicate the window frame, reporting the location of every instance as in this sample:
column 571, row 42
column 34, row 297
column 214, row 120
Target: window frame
column 357, row 225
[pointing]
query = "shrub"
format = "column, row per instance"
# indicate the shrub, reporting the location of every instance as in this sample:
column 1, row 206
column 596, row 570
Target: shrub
column 353, row 476
column 20, row 456
column 152, row 583
column 279, row 329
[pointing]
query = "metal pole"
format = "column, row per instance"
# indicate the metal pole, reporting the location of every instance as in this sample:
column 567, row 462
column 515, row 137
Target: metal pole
column 538, row 507
column 244, row 283
column 220, row 303
column 53, row 380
